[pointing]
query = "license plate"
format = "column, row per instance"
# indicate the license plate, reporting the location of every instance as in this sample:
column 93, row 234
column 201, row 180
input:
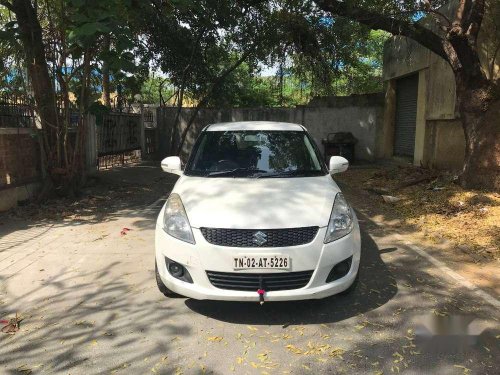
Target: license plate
column 243, row 262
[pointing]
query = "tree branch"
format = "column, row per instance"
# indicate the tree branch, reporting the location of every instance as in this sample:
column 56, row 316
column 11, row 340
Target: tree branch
column 220, row 79
column 182, row 87
column 459, row 14
column 439, row 14
column 374, row 20
column 427, row 7
column 463, row 38
column 474, row 21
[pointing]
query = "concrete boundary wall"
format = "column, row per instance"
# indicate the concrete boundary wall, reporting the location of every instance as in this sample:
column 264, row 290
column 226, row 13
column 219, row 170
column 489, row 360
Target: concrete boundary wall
column 362, row 115
column 19, row 166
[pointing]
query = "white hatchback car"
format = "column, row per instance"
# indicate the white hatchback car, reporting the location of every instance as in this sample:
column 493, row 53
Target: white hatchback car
column 256, row 216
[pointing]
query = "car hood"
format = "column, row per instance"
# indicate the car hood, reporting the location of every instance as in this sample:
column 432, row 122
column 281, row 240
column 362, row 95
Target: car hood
column 263, row 203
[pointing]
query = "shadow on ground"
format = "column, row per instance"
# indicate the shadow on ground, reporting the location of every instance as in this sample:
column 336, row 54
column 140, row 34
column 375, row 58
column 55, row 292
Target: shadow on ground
column 328, row 310
column 119, row 192
column 110, row 192
column 91, row 321
column 93, row 314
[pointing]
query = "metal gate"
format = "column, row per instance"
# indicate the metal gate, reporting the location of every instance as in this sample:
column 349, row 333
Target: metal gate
column 118, row 139
column 150, row 142
column 406, row 115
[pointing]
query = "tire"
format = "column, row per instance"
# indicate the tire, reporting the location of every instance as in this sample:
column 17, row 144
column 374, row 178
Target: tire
column 163, row 289
column 352, row 287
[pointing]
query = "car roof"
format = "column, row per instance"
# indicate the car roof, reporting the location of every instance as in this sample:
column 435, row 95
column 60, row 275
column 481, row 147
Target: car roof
column 254, row 125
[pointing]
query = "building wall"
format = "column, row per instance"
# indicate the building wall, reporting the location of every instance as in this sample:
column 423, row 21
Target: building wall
column 403, row 56
column 361, row 115
column 19, row 168
column 437, row 114
column 444, row 144
column 440, row 91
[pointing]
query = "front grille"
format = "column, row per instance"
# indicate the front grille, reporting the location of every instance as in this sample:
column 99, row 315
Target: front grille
column 253, row 281
column 246, row 237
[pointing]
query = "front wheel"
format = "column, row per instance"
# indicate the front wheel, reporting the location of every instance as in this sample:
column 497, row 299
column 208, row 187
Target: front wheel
column 165, row 291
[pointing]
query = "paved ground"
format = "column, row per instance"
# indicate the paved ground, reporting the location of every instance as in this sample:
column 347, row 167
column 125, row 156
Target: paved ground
column 90, row 304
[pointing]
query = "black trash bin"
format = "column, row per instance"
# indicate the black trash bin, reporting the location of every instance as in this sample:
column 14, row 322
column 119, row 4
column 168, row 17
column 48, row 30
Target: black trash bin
column 339, row 144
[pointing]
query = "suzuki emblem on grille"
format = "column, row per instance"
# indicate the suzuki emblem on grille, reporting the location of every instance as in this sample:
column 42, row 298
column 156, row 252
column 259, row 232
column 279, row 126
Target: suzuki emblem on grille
column 259, row 238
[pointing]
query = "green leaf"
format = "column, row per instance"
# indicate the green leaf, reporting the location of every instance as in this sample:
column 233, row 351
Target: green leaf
column 91, row 28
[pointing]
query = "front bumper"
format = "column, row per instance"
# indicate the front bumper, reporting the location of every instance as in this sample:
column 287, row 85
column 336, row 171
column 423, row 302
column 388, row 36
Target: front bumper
column 203, row 256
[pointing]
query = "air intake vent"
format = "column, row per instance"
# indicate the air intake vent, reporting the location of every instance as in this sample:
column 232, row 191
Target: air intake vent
column 252, row 281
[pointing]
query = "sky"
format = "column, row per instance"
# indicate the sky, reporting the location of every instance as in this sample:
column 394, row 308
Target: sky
column 267, row 71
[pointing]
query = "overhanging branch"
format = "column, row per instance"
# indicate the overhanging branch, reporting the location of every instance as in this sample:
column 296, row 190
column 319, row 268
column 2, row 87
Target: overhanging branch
column 218, row 81
column 377, row 21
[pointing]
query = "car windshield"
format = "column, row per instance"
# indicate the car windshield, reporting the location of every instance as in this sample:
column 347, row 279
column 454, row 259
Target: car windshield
column 256, row 153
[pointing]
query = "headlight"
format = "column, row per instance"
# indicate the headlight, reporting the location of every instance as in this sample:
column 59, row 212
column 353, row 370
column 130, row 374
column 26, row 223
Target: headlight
column 175, row 220
column 341, row 220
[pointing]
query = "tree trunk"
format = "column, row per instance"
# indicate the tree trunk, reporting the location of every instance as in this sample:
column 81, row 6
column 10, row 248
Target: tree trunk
column 77, row 173
column 175, row 126
column 31, row 36
column 30, row 33
column 479, row 110
column 61, row 175
column 106, row 93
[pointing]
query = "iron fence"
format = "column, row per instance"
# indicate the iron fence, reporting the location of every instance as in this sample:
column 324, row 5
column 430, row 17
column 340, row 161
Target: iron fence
column 148, row 115
column 118, row 139
column 16, row 112
column 119, row 132
column 150, row 142
column 109, row 161
column 19, row 112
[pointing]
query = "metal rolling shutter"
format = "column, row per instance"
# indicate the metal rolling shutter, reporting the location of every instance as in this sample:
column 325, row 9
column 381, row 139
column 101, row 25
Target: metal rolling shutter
column 406, row 115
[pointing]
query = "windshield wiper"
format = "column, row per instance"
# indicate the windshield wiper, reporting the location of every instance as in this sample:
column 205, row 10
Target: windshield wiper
column 296, row 173
column 232, row 172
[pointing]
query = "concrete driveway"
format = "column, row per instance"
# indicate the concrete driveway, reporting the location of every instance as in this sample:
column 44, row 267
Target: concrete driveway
column 90, row 304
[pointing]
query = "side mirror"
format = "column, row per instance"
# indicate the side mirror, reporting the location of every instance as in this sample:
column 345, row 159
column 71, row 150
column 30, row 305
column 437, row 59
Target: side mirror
column 338, row 164
column 172, row 164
